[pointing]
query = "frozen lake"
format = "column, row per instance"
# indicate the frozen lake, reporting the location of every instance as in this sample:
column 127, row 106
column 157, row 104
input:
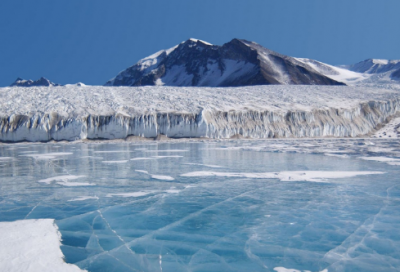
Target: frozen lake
column 212, row 206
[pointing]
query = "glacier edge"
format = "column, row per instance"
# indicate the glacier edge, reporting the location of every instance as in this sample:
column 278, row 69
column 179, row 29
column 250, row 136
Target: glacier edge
column 358, row 120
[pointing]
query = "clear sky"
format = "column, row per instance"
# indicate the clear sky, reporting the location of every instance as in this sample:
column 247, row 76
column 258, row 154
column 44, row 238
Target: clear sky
column 90, row 41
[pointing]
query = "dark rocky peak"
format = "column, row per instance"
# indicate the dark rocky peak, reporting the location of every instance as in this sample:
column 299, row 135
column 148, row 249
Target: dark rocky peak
column 235, row 63
column 19, row 82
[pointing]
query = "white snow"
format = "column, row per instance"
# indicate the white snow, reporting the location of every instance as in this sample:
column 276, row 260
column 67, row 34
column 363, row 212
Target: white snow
column 313, row 176
column 149, row 63
column 380, row 159
column 172, row 191
column 48, row 156
column 146, row 65
column 75, row 184
column 283, row 269
column 164, row 157
column 142, row 158
column 134, row 194
column 388, row 160
column 206, row 165
column 142, row 171
column 196, row 40
column 64, row 178
column 336, row 73
column 233, row 69
column 177, row 76
column 32, row 246
column 82, row 198
column 172, row 150
column 161, row 177
column 390, row 130
column 115, row 162
column 281, row 74
column 71, row 113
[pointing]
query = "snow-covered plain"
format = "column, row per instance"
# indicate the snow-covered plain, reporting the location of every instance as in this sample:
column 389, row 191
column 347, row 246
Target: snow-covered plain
column 72, row 113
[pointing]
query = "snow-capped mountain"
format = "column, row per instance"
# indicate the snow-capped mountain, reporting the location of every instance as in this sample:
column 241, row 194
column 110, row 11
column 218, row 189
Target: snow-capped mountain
column 340, row 74
column 19, row 82
column 375, row 66
column 381, row 69
column 236, row 63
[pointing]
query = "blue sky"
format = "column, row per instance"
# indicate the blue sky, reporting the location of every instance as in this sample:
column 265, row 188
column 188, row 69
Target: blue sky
column 91, row 41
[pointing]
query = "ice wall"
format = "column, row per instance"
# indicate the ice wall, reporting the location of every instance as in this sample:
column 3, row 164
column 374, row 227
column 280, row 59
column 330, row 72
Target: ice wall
column 358, row 120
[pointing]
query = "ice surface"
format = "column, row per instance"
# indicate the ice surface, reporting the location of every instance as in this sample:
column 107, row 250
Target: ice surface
column 73, row 113
column 32, row 246
column 231, row 221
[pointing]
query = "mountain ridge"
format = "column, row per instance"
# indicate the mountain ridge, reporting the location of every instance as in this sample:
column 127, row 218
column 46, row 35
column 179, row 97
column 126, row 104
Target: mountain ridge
column 235, row 63
column 19, row 82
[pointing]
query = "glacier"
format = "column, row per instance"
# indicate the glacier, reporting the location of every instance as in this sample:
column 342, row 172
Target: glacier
column 92, row 112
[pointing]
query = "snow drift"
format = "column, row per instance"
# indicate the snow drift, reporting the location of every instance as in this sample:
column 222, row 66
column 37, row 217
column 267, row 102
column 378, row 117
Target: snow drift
column 73, row 113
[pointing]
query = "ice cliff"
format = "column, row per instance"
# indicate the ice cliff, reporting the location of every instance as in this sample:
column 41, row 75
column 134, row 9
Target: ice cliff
column 73, row 112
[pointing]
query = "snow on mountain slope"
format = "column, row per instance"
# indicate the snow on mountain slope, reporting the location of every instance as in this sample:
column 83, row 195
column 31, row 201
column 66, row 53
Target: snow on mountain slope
column 144, row 68
column 94, row 112
column 336, row 73
column 380, row 69
column 236, row 63
column 375, row 66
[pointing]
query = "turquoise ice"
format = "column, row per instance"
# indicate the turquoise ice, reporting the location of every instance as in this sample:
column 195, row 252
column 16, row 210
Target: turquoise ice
column 212, row 206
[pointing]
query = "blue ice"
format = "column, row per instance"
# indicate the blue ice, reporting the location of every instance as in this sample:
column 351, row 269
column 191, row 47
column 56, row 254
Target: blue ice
column 129, row 207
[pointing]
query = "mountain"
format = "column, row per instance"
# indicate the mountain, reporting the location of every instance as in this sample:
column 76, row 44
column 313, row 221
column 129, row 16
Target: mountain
column 236, row 63
column 389, row 69
column 375, row 66
column 19, row 82
column 396, row 75
column 340, row 74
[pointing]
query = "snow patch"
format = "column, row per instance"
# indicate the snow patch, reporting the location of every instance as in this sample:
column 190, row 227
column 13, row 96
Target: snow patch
column 313, row 176
column 134, row 194
column 64, row 178
column 115, row 162
column 82, row 198
column 32, row 245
